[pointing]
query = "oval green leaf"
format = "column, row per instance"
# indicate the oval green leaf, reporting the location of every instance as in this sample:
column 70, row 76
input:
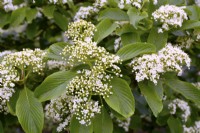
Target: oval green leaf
column 54, row 85
column 153, row 95
column 102, row 122
column 132, row 50
column 188, row 90
column 29, row 112
column 104, row 28
column 175, row 125
column 122, row 100
column 113, row 14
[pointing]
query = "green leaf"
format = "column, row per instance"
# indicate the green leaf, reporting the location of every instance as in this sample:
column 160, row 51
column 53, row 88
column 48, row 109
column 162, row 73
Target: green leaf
column 54, row 85
column 129, row 38
column 126, row 28
column 4, row 19
column 102, row 122
column 61, row 20
column 152, row 95
column 55, row 50
column 1, row 127
column 31, row 30
column 31, row 14
column 18, row 16
column 29, row 112
column 48, row 11
column 188, row 90
column 113, row 14
column 104, row 28
column 12, row 103
column 132, row 50
column 175, row 125
column 122, row 100
column 76, row 127
column 136, row 16
column 158, row 39
column 190, row 24
column 195, row 12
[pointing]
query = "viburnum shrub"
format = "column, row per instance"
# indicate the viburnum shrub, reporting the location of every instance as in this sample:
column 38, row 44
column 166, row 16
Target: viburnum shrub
column 103, row 66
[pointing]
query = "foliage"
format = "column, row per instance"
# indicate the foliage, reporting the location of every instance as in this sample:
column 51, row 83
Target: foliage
column 103, row 66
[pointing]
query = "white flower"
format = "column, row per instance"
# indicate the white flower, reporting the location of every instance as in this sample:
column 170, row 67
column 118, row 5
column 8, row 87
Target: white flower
column 170, row 16
column 170, row 58
column 85, row 12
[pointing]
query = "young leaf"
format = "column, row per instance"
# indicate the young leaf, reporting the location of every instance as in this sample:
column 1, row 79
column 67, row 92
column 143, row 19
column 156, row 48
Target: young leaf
column 122, row 100
column 18, row 16
column 113, row 14
column 136, row 16
column 129, row 51
column 60, row 20
column 76, row 127
column 54, row 85
column 102, row 122
column 104, row 28
column 158, row 39
column 152, row 95
column 29, row 112
column 175, row 125
column 188, row 90
column 48, row 11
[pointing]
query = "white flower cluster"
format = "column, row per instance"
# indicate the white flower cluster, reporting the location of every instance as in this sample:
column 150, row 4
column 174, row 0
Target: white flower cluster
column 170, row 58
column 85, row 12
column 62, row 109
column 136, row 3
column 94, row 81
column 8, row 5
column 9, row 74
column 193, row 129
column 54, row 64
column 182, row 105
column 58, row 1
column 170, row 16
column 26, row 59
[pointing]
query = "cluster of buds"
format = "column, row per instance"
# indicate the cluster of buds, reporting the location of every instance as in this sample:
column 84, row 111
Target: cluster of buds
column 12, row 69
